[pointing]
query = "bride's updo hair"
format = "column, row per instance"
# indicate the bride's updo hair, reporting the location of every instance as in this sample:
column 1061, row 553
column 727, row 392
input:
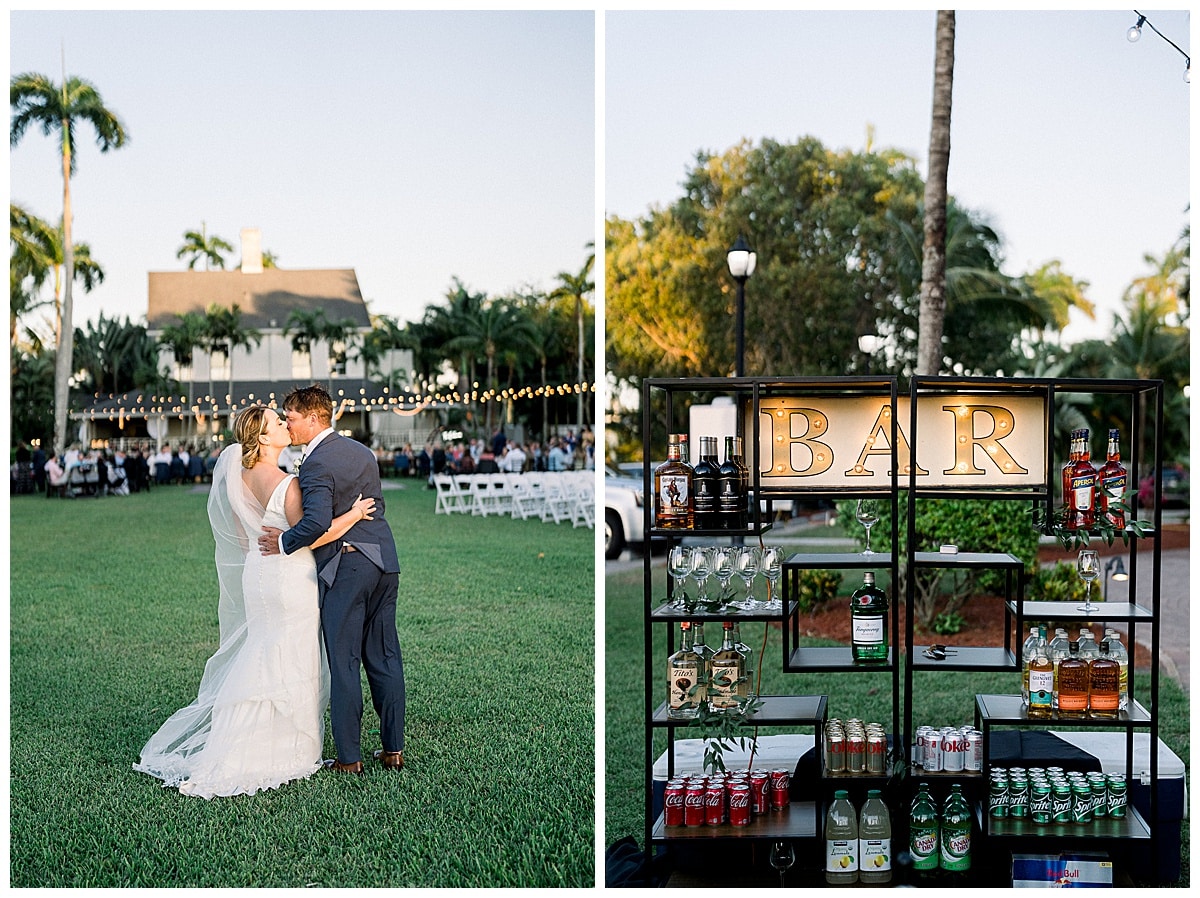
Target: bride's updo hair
column 249, row 426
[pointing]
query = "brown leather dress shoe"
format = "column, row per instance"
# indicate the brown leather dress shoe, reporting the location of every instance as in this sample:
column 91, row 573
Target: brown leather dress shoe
column 391, row 760
column 334, row 764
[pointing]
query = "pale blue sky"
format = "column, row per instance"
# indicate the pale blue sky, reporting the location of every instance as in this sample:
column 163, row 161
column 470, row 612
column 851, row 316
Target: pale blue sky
column 413, row 147
column 1072, row 140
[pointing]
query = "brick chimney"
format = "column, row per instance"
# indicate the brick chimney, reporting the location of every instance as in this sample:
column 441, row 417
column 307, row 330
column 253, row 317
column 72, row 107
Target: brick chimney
column 251, row 251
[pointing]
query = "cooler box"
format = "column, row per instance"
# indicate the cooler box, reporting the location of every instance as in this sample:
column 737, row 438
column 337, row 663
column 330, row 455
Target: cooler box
column 773, row 752
column 1070, row 870
column 1109, row 748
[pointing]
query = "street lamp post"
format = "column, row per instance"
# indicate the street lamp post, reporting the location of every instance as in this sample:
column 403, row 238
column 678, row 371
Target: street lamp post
column 741, row 261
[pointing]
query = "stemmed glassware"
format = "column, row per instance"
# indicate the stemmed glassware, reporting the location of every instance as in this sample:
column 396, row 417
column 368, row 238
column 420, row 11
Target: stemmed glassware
column 772, row 569
column 747, row 564
column 867, row 514
column 703, row 561
column 1088, row 566
column 679, row 566
column 782, row 858
column 723, row 558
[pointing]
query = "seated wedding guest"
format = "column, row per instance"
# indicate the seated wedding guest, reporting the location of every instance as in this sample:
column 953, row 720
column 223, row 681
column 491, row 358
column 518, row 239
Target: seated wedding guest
column 487, row 462
column 514, row 459
column 56, row 476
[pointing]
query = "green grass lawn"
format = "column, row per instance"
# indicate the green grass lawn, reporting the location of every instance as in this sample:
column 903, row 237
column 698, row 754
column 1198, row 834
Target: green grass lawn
column 936, row 699
column 113, row 614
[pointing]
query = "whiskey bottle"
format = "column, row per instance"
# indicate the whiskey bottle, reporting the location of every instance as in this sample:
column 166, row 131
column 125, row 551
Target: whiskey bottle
column 1041, row 678
column 704, row 486
column 1081, row 497
column 1073, row 685
column 728, row 668
column 673, row 489
column 1113, row 480
column 868, row 622
column 731, row 502
column 1105, row 672
column 685, row 678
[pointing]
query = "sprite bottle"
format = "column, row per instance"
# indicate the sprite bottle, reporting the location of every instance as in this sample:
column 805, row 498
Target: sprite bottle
column 955, row 854
column 923, row 832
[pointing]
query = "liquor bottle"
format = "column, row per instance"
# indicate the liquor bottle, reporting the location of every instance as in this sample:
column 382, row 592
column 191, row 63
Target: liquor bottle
column 673, row 488
column 745, row 688
column 731, row 501
column 1113, row 479
column 1060, row 647
column 875, row 841
column 1116, row 651
column 728, row 668
column 701, row 648
column 924, row 832
column 1073, row 685
column 841, row 841
column 868, row 622
column 704, row 486
column 1081, row 497
column 1105, row 701
column 955, row 855
column 685, row 678
column 1041, row 679
column 739, row 459
column 1072, row 457
column 1026, row 655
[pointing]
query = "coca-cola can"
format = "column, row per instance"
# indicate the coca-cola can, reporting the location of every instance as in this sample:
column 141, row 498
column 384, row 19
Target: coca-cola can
column 693, row 805
column 760, row 792
column 954, row 752
column 856, row 752
column 974, row 758
column 931, row 751
column 876, row 754
column 739, row 805
column 714, row 804
column 673, row 802
column 781, row 781
column 835, row 752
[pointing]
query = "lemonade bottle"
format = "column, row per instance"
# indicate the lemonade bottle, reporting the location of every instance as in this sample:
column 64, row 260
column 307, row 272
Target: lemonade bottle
column 875, row 841
column 841, row 841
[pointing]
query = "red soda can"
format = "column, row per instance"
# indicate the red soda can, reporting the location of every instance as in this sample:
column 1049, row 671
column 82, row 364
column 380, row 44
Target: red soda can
column 760, row 792
column 780, row 782
column 739, row 805
column 693, row 805
column 673, row 802
column 714, row 805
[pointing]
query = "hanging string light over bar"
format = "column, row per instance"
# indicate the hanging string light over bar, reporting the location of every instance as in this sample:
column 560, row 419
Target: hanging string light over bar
column 1135, row 32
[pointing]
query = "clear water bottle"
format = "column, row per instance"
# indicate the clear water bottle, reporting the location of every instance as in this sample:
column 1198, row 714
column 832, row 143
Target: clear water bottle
column 841, row 841
column 875, row 841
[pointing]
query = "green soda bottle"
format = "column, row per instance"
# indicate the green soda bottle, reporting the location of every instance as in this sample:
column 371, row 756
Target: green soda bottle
column 923, row 832
column 956, row 832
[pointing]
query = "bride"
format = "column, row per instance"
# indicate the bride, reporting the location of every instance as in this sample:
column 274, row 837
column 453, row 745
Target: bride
column 258, row 720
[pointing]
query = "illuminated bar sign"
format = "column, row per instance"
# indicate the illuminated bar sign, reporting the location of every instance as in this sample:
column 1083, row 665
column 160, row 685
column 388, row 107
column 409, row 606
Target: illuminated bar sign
column 966, row 441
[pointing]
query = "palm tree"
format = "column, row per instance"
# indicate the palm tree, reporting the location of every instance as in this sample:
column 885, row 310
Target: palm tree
column 183, row 339
column 225, row 330
column 34, row 245
column 37, row 100
column 341, row 336
column 305, row 328
column 578, row 286
column 500, row 327
column 198, row 245
column 933, row 265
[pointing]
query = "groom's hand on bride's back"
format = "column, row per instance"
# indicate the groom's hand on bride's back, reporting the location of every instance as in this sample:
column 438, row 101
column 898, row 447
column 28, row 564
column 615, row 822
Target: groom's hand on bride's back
column 268, row 543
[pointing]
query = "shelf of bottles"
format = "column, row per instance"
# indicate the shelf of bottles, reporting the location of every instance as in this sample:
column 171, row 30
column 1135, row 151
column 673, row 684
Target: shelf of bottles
column 1011, row 710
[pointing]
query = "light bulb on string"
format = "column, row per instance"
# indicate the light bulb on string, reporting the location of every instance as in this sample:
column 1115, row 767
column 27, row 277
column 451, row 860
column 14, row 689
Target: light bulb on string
column 1135, row 31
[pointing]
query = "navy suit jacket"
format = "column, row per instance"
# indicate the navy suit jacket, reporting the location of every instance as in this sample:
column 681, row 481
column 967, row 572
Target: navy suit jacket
column 331, row 478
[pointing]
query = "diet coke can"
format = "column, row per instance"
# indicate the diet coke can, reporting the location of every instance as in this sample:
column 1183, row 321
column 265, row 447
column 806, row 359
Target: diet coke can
column 739, row 805
column 876, row 754
column 954, row 752
column 856, row 752
column 931, row 751
column 835, row 751
column 974, row 759
column 760, row 793
column 673, row 802
column 781, row 781
column 693, row 804
column 714, row 804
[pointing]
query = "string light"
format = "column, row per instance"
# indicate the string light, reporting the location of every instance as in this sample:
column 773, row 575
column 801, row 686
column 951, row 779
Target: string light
column 1135, row 33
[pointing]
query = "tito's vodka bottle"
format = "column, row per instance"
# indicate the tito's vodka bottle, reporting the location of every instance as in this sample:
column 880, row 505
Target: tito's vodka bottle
column 673, row 489
column 685, row 678
column 728, row 668
column 1113, row 479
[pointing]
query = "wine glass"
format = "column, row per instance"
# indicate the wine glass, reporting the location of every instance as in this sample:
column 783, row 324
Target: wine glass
column 702, row 567
column 1088, row 566
column 772, row 569
column 747, row 563
column 723, row 557
column 867, row 514
column 679, row 566
column 782, row 858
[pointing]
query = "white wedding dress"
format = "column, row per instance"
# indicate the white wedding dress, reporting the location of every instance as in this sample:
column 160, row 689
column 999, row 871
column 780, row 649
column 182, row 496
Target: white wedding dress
column 258, row 720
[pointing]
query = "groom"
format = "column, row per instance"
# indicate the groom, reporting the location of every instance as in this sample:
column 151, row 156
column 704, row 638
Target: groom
column 357, row 576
